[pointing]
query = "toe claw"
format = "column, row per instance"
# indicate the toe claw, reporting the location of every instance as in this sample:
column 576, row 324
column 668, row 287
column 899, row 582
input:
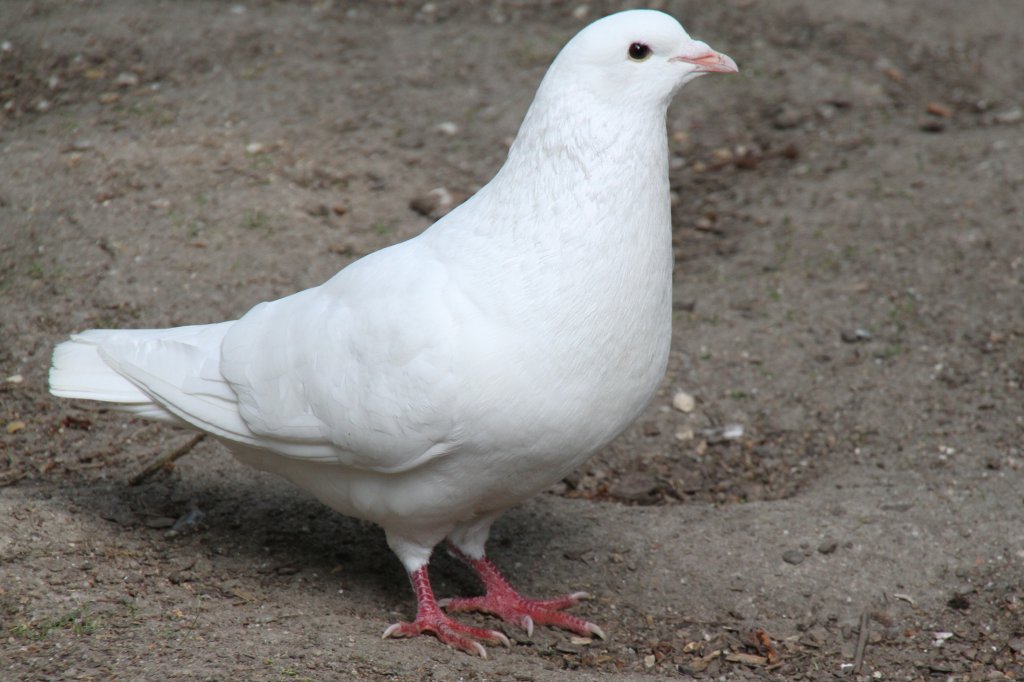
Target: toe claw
column 443, row 603
column 500, row 636
column 528, row 625
column 596, row 630
column 578, row 596
column 480, row 650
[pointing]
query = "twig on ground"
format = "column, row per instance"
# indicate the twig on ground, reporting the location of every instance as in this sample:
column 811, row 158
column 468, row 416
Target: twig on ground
column 164, row 460
column 862, row 642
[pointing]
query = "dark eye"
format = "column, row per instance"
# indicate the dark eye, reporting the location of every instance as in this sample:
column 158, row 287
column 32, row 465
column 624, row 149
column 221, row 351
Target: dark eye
column 639, row 52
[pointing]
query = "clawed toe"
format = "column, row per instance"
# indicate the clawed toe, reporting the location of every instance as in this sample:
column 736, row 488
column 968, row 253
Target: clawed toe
column 502, row 600
column 456, row 635
column 526, row 613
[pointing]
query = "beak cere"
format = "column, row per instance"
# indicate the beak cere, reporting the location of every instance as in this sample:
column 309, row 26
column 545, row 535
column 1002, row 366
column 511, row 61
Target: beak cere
column 709, row 62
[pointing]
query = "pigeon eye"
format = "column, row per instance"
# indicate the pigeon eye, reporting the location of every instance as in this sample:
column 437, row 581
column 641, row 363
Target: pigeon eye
column 638, row 52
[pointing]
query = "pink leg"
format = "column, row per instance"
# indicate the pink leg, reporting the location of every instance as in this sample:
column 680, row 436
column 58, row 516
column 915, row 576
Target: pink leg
column 430, row 618
column 502, row 600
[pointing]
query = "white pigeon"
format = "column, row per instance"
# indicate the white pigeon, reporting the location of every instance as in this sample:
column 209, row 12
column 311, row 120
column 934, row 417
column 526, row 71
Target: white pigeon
column 431, row 385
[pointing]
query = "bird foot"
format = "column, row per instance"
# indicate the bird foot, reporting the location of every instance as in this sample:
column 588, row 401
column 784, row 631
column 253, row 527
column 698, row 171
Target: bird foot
column 456, row 635
column 523, row 612
column 430, row 618
column 502, row 600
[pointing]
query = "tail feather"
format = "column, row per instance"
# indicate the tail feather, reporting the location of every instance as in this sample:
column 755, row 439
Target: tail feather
column 79, row 371
column 109, row 365
column 170, row 375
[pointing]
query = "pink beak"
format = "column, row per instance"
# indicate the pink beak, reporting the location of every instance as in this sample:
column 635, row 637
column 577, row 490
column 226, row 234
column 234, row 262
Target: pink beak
column 710, row 62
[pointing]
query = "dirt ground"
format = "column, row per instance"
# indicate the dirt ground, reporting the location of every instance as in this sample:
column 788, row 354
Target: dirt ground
column 844, row 500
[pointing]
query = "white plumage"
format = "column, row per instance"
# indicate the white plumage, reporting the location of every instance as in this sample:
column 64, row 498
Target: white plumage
column 433, row 384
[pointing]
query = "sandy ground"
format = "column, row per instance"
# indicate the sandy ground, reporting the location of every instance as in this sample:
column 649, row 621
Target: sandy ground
column 846, row 497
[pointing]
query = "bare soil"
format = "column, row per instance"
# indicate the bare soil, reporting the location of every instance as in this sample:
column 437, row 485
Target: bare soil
column 846, row 497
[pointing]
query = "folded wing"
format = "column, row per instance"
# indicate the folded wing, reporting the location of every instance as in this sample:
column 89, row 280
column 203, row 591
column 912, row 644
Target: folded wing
column 360, row 371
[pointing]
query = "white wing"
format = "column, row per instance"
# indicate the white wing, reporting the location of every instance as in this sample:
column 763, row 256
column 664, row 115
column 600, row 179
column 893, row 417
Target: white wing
column 361, row 371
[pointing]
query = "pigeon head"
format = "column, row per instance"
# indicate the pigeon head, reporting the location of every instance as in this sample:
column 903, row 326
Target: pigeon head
column 606, row 94
column 636, row 57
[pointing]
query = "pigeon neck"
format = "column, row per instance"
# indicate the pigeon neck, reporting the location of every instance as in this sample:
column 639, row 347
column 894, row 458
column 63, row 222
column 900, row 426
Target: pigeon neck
column 579, row 141
column 572, row 138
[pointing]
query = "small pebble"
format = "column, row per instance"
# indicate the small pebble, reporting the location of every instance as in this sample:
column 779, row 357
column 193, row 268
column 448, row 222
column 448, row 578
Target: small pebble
column 722, row 434
column 126, row 79
column 826, row 111
column 159, row 522
column 1009, row 116
column 684, row 402
column 793, row 556
column 636, row 487
column 818, row 635
column 651, row 428
column 894, row 74
column 742, row 611
column 855, row 335
column 15, row 379
column 255, row 148
column 449, row 128
column 732, row 431
column 437, row 202
column 343, row 249
column 787, row 117
column 828, row 546
column 721, row 155
column 121, row 517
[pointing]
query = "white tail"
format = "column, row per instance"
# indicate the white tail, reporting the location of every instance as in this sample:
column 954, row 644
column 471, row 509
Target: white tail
column 79, row 371
column 117, row 366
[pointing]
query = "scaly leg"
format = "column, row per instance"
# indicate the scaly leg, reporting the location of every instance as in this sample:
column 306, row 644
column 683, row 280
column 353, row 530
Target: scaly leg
column 502, row 600
column 430, row 618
